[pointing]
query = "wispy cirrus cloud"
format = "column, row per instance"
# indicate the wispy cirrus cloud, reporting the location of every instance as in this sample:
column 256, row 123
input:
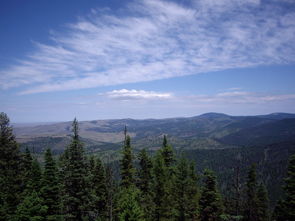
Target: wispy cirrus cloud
column 156, row 39
column 236, row 96
column 125, row 94
column 242, row 97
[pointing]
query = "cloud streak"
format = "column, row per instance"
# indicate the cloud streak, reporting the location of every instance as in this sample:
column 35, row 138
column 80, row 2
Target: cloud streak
column 155, row 39
column 241, row 97
column 125, row 94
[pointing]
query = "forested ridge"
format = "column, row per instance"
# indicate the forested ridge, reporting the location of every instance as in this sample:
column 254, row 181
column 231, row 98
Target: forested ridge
column 159, row 186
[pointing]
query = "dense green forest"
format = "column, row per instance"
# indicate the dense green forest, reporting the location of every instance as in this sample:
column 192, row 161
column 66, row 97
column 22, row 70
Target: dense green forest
column 159, row 185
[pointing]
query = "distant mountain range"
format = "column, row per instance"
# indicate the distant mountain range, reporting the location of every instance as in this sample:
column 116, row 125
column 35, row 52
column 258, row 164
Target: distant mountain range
column 207, row 131
column 213, row 140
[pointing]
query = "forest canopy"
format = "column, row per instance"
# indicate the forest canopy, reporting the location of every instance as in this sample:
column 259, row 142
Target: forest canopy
column 162, row 185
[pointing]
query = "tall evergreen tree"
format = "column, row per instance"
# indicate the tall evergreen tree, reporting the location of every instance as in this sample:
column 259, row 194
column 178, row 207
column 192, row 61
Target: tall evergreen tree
column 50, row 191
column 144, row 179
column 110, row 194
column 262, row 196
column 186, row 191
column 290, row 189
column 167, row 153
column 10, row 179
column 129, row 207
column 31, row 209
column 285, row 208
column 237, row 189
column 193, row 209
column 211, row 206
column 251, row 210
column 76, row 196
column 279, row 213
column 163, row 190
column 35, row 176
column 144, row 173
column 181, row 187
column 127, row 169
column 26, row 166
column 99, row 188
column 128, row 202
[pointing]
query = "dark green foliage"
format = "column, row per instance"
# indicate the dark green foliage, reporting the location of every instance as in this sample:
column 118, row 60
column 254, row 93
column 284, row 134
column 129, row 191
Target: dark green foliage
column 34, row 182
column 271, row 163
column 186, row 191
column 211, row 207
column 279, row 213
column 129, row 208
column 159, row 187
column 144, row 181
column 181, row 184
column 50, row 191
column 99, row 190
column 144, row 174
column 76, row 196
column 127, row 169
column 262, row 195
column 165, row 142
column 110, row 194
column 165, row 187
column 251, row 207
column 26, row 167
column 285, row 208
column 290, row 189
column 167, row 153
column 163, row 182
column 10, row 179
column 31, row 209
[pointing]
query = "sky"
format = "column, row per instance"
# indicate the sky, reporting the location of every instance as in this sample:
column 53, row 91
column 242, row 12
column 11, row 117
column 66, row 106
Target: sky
column 143, row 59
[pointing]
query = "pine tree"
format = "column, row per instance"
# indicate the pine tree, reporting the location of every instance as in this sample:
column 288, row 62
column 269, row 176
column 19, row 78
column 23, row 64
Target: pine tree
column 251, row 211
column 110, row 194
column 31, row 209
column 237, row 197
column 144, row 179
column 186, row 191
column 10, row 179
column 128, row 201
column 76, row 197
column 163, row 190
column 99, row 188
column 285, row 208
column 211, row 206
column 35, row 177
column 144, row 173
column 181, row 187
column 279, row 213
column 26, row 166
column 263, row 201
column 167, row 153
column 129, row 208
column 193, row 192
column 127, row 170
column 290, row 189
column 50, row 191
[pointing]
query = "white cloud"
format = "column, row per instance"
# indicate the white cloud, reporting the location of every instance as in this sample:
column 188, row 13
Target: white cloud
column 241, row 97
column 125, row 94
column 232, row 94
column 156, row 39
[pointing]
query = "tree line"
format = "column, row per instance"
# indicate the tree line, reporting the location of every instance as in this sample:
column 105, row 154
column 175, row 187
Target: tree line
column 152, row 187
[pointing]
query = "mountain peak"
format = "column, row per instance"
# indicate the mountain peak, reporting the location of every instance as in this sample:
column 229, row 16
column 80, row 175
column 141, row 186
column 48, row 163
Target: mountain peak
column 213, row 115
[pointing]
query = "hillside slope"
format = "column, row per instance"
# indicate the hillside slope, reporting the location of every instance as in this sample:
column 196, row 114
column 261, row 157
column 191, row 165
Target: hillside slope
column 207, row 131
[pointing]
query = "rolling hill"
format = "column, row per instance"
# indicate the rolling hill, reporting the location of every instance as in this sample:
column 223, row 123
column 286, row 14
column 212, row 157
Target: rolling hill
column 207, row 131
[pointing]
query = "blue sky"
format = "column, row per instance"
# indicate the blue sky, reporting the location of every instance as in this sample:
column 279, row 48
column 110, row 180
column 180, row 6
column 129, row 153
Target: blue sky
column 145, row 58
